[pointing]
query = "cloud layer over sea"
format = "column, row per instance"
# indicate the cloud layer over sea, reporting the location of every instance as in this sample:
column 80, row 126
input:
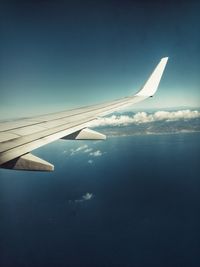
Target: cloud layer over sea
column 158, row 122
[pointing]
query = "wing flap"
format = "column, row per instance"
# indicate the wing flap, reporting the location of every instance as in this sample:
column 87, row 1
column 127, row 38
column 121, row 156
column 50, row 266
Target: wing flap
column 28, row 162
column 85, row 134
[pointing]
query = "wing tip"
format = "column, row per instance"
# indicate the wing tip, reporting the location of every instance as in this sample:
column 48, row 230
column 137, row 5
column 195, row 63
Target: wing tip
column 164, row 59
column 151, row 86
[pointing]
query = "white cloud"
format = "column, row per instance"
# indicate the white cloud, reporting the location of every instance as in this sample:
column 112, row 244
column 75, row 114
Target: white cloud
column 177, row 115
column 143, row 117
column 86, row 197
column 81, row 148
column 87, row 150
column 97, row 153
column 74, row 151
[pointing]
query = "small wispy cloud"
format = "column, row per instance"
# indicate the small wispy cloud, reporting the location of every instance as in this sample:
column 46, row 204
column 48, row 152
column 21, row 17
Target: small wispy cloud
column 86, row 197
column 81, row 148
column 97, row 153
column 143, row 117
column 88, row 150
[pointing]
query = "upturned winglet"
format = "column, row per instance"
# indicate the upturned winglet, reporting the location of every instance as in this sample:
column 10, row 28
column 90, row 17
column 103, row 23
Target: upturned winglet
column 152, row 83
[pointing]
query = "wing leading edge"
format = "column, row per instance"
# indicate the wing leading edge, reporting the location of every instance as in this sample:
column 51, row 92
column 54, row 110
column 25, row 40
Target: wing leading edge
column 19, row 138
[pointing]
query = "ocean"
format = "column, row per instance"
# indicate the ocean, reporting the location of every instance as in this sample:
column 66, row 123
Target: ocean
column 126, row 201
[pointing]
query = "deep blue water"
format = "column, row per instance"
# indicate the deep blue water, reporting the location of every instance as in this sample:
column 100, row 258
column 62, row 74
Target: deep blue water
column 144, row 211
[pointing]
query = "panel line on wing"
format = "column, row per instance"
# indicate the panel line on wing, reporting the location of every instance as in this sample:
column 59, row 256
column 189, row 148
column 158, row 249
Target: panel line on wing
column 116, row 102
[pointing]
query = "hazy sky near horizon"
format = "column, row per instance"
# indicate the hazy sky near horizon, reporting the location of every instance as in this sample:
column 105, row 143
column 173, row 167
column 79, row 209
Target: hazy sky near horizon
column 56, row 55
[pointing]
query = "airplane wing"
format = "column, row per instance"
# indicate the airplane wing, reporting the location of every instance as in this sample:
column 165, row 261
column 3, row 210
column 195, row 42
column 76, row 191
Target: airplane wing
column 19, row 138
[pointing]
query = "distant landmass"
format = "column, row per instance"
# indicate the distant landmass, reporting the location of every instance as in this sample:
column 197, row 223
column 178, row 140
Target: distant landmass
column 144, row 123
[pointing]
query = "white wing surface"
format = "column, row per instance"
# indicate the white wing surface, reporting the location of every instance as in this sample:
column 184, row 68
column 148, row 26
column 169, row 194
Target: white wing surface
column 19, row 138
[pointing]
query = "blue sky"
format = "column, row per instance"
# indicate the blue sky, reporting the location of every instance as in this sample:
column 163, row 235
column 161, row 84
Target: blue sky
column 56, row 55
